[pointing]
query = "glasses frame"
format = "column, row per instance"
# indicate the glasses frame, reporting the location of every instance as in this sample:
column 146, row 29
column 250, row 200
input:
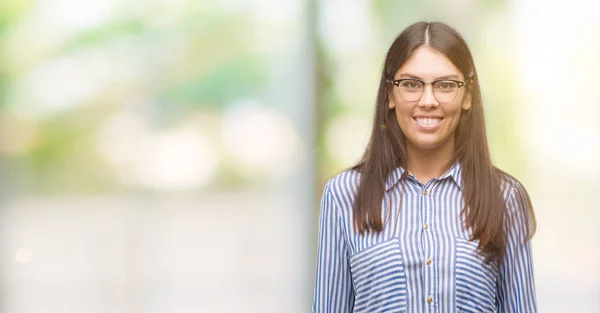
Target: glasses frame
column 460, row 84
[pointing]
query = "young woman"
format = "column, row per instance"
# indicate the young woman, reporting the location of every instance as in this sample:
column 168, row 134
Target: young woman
column 425, row 222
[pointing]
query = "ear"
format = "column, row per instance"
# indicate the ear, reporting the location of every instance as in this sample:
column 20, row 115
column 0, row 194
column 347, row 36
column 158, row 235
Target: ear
column 466, row 104
column 391, row 102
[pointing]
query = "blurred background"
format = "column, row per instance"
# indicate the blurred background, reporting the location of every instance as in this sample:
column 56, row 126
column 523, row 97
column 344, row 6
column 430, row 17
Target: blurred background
column 169, row 156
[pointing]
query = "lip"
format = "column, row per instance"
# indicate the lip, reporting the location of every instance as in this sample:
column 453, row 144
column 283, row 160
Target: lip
column 428, row 128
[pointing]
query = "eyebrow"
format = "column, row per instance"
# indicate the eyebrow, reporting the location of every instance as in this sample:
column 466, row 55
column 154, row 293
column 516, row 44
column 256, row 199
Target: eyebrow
column 449, row 76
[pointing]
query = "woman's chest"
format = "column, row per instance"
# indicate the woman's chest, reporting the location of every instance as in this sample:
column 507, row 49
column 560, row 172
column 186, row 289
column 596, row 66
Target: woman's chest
column 423, row 257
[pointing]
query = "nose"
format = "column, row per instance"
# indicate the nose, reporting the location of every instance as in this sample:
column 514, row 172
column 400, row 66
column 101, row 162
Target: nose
column 428, row 99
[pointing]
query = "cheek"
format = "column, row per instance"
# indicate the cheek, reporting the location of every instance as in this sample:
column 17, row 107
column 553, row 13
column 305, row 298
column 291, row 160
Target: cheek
column 455, row 118
column 404, row 117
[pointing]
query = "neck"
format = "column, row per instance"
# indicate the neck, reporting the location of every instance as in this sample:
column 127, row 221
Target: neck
column 426, row 164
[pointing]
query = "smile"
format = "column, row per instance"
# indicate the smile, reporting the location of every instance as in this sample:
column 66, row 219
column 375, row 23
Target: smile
column 428, row 121
column 428, row 124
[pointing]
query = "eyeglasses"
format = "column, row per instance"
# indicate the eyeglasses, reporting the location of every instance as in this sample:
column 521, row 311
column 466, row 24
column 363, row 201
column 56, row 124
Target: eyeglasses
column 411, row 89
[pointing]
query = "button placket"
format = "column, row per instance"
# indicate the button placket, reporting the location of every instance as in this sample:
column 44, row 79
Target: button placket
column 429, row 238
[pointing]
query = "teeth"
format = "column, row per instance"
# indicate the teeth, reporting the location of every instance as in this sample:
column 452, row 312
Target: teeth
column 428, row 120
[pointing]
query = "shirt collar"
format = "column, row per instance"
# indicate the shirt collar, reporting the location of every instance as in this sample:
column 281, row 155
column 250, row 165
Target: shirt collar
column 394, row 177
column 455, row 172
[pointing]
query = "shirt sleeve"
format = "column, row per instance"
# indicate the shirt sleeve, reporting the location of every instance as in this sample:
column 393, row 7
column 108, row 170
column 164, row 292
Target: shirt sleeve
column 333, row 288
column 516, row 287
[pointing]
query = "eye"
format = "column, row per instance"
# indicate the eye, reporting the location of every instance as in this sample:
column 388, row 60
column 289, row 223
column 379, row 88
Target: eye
column 411, row 84
column 446, row 86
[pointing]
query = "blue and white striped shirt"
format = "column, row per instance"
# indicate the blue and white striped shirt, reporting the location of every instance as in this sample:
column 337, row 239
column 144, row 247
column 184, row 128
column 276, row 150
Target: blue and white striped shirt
column 425, row 261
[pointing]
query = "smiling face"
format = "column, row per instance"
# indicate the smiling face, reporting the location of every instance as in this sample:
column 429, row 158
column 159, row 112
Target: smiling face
column 427, row 123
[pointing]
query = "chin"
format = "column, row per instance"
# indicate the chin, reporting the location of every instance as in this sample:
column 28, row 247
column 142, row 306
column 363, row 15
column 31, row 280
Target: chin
column 427, row 143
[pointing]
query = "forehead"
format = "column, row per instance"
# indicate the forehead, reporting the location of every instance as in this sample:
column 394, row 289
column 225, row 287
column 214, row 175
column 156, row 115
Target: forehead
column 428, row 64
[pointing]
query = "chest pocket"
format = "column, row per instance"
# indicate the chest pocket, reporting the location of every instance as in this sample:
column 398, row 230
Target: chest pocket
column 379, row 278
column 475, row 280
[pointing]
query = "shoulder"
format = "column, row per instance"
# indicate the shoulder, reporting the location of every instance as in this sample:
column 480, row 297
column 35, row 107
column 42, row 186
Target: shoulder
column 518, row 203
column 512, row 189
column 343, row 186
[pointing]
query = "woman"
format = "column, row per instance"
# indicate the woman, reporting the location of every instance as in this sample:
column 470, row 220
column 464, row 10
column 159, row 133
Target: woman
column 425, row 222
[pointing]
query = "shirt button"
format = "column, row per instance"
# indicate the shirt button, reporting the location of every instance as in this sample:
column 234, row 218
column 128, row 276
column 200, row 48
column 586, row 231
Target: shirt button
column 429, row 299
column 425, row 192
column 428, row 261
column 426, row 226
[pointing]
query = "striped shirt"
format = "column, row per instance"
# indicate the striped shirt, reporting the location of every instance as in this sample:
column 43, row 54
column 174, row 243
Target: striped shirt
column 424, row 262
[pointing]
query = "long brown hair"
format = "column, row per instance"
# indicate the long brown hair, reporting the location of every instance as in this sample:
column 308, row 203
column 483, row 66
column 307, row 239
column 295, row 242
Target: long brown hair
column 485, row 208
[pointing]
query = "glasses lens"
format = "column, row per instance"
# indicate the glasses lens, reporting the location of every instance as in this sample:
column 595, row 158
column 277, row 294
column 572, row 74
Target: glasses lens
column 410, row 90
column 445, row 91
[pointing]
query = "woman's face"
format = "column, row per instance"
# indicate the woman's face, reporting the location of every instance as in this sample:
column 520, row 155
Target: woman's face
column 426, row 122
